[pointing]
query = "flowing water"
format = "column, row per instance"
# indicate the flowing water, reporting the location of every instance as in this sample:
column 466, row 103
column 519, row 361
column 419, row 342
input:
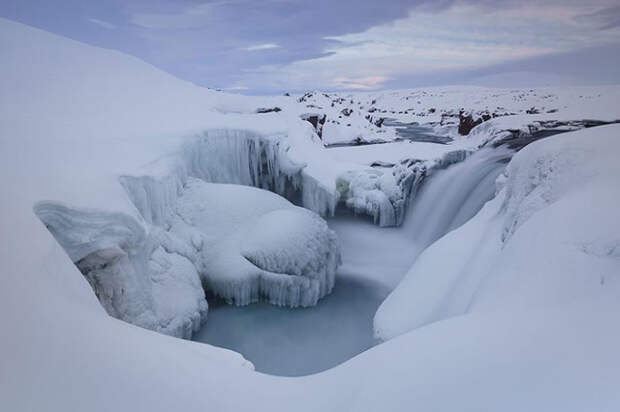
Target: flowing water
column 454, row 195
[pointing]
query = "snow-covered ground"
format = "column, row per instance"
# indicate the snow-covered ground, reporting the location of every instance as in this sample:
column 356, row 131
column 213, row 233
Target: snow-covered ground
column 515, row 310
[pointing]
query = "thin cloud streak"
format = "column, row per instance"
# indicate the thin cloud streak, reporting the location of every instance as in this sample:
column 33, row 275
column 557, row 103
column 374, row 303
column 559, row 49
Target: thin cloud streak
column 266, row 46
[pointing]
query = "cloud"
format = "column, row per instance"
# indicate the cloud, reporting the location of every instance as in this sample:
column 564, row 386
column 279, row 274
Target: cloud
column 462, row 38
column 275, row 45
column 359, row 83
column 607, row 18
column 102, row 23
column 187, row 18
column 265, row 46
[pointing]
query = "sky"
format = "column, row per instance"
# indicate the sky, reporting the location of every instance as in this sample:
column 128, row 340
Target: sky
column 275, row 46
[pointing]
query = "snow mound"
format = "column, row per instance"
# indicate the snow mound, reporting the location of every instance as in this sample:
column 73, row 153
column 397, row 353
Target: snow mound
column 306, row 251
column 257, row 245
column 549, row 237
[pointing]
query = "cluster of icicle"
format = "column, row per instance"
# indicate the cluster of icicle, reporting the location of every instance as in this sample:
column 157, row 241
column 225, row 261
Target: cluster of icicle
column 151, row 271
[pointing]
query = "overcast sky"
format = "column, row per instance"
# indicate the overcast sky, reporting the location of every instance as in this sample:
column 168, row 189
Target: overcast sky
column 272, row 46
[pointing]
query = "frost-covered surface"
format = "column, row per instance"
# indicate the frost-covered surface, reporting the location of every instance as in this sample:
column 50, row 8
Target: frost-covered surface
column 549, row 237
column 74, row 119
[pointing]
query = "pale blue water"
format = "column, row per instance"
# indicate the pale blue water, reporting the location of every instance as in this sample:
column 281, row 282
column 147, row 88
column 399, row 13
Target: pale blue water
column 301, row 341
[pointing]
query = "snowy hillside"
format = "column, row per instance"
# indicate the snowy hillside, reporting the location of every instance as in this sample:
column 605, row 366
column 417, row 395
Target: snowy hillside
column 122, row 207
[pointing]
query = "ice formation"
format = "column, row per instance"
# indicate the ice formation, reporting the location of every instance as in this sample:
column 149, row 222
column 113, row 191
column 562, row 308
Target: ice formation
column 138, row 277
column 257, row 245
column 244, row 244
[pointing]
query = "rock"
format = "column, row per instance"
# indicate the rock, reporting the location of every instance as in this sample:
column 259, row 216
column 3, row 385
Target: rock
column 262, row 110
column 346, row 111
column 316, row 120
column 467, row 122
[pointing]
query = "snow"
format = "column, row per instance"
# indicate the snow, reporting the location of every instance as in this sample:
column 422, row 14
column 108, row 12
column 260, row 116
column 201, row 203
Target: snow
column 99, row 138
column 549, row 237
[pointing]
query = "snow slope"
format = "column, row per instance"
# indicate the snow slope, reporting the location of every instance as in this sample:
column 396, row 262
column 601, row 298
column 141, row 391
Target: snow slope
column 73, row 120
column 550, row 236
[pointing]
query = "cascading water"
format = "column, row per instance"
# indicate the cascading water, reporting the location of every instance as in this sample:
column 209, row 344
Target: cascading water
column 452, row 196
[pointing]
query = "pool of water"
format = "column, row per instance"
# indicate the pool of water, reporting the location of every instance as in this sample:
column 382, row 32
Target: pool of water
column 301, row 341
column 416, row 133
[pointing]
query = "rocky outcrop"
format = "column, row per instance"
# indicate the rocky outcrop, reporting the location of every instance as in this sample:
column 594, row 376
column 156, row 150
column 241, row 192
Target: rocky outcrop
column 317, row 121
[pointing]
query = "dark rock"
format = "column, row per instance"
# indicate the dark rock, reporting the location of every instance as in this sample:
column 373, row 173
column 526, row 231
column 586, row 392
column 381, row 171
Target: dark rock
column 467, row 122
column 268, row 110
column 305, row 97
column 346, row 111
column 317, row 121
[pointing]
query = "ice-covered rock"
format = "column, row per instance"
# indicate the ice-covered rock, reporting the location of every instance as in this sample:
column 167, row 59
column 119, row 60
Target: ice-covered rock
column 138, row 276
column 257, row 245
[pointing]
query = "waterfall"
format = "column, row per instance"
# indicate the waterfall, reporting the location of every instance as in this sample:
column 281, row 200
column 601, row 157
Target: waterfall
column 450, row 197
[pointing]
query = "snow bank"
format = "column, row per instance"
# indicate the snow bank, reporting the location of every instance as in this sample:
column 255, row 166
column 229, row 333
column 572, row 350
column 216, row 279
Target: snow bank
column 549, row 237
